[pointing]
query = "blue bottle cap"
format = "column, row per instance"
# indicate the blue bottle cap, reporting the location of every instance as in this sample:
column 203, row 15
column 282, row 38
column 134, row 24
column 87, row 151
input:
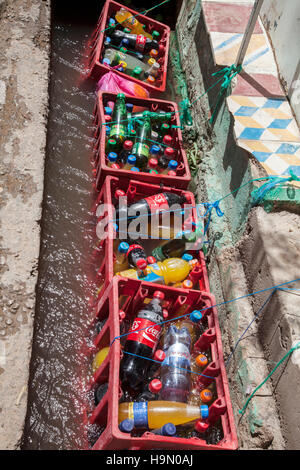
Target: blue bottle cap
column 173, row 164
column 131, row 159
column 129, row 107
column 107, row 130
column 106, row 62
column 112, row 157
column 111, row 22
column 196, row 316
column 124, row 42
column 107, row 41
column 123, row 247
column 126, row 425
column 134, row 168
column 204, row 411
column 108, row 111
column 187, row 257
column 154, row 149
column 168, row 429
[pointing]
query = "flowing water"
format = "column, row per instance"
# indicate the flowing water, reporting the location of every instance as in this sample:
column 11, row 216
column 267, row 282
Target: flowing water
column 54, row 417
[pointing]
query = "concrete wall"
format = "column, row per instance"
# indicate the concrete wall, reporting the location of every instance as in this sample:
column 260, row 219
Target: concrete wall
column 282, row 22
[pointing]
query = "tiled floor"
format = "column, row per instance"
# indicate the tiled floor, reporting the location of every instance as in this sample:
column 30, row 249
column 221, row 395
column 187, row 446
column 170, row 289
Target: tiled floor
column 264, row 122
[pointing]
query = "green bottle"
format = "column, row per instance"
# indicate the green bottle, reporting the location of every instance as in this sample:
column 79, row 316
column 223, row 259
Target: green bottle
column 141, row 148
column 174, row 248
column 119, row 120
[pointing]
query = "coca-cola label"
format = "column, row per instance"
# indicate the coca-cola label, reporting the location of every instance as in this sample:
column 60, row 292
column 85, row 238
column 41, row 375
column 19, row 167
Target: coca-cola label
column 157, row 203
column 144, row 331
column 140, row 42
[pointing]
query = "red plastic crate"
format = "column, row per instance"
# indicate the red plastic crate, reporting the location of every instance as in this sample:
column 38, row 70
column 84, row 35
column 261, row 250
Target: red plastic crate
column 183, row 177
column 105, row 414
column 135, row 190
column 97, row 69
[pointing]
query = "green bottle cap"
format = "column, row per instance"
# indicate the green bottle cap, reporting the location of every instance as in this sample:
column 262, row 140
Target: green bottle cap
column 123, row 49
column 155, row 35
column 132, row 132
column 121, row 95
column 154, row 172
column 136, row 71
column 165, row 127
column 126, row 30
column 111, row 144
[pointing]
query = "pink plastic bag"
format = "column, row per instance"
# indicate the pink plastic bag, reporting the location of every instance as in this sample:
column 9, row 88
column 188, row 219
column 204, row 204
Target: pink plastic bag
column 113, row 83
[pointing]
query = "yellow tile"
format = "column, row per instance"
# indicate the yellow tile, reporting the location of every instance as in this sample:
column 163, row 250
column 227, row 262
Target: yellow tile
column 284, row 135
column 276, row 113
column 268, row 169
column 290, row 159
column 248, row 121
column 243, row 101
column 256, row 146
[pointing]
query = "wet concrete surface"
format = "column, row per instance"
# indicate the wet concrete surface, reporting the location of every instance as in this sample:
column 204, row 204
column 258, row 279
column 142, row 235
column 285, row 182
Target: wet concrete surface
column 55, row 417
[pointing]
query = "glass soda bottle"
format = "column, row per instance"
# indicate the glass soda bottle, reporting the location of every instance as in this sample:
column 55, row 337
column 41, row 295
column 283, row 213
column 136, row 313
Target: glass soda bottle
column 119, row 120
column 155, row 414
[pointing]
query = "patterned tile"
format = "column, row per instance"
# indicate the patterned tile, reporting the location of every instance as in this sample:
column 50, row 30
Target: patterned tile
column 232, row 18
column 248, row 2
column 259, row 56
column 257, row 84
column 277, row 158
column 258, row 118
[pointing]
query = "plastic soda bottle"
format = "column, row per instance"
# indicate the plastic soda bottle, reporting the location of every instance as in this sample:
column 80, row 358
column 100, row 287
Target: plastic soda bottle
column 119, row 120
column 155, row 414
column 141, row 342
column 129, row 21
column 121, row 257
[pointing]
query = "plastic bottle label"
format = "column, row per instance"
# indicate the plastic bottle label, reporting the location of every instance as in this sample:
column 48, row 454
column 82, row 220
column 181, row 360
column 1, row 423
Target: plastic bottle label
column 148, row 336
column 139, row 413
column 157, row 203
column 117, row 129
column 140, row 43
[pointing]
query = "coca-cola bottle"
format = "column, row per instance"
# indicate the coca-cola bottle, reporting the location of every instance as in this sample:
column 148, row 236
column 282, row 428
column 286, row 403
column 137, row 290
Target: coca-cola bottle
column 150, row 205
column 135, row 253
column 150, row 391
column 141, row 343
column 138, row 42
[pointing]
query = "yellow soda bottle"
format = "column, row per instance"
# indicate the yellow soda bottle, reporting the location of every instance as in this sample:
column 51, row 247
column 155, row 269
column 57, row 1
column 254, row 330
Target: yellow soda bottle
column 154, row 414
column 121, row 257
column 129, row 21
column 171, row 270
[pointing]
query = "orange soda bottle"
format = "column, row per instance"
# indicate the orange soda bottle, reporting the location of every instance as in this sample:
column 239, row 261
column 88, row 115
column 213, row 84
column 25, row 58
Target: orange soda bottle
column 129, row 21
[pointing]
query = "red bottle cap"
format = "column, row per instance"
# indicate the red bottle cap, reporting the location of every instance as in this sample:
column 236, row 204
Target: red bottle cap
column 161, row 49
column 107, row 118
column 159, row 355
column 115, row 166
column 119, row 193
column 159, row 295
column 141, row 263
column 151, row 260
column 169, row 152
column 171, row 173
column 167, row 140
column 155, row 386
column 128, row 144
column 122, row 315
column 165, row 313
column 201, row 426
column 152, row 163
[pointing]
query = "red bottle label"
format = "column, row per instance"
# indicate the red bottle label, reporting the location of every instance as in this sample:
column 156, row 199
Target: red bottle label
column 157, row 203
column 145, row 331
column 140, row 42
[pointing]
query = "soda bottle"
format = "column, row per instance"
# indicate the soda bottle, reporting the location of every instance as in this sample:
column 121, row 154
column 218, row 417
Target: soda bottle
column 112, row 158
column 190, row 322
column 175, row 247
column 135, row 253
column 131, row 161
column 127, row 425
column 138, row 42
column 114, row 57
column 99, row 392
column 154, row 151
column 170, row 271
column 168, row 429
column 152, row 164
column 154, row 414
column 129, row 21
column 141, row 148
column 175, row 370
column 124, row 50
column 172, row 165
column 125, row 152
column 111, row 145
column 153, row 70
column 119, row 120
column 142, row 340
column 151, row 391
column 150, row 205
column 121, row 257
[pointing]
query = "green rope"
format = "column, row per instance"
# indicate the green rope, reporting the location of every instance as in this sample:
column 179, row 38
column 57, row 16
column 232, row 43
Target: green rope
column 258, row 194
column 227, row 73
column 242, row 411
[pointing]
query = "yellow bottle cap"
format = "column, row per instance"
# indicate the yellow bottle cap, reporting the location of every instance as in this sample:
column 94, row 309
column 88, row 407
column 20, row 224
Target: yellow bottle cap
column 206, row 395
column 151, row 61
column 124, row 65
